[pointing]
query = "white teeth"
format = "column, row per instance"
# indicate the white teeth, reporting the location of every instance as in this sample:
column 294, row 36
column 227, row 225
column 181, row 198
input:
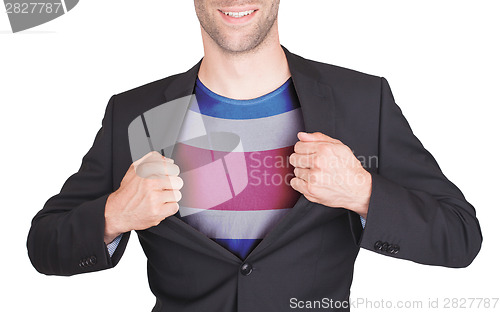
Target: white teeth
column 239, row 14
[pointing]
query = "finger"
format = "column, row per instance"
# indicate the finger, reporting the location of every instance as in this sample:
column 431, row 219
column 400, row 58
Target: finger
column 301, row 173
column 316, row 136
column 171, row 208
column 171, row 183
column 301, row 186
column 313, row 177
column 170, row 196
column 157, row 169
column 172, row 169
column 307, row 147
column 133, row 167
column 152, row 154
column 302, row 161
column 298, row 184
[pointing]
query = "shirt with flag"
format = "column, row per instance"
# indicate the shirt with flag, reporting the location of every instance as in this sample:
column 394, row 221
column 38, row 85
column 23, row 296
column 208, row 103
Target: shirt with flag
column 235, row 158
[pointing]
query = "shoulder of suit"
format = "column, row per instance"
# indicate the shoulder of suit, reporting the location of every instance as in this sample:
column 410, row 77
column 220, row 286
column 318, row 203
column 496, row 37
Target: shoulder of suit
column 335, row 70
column 335, row 73
column 151, row 89
column 138, row 100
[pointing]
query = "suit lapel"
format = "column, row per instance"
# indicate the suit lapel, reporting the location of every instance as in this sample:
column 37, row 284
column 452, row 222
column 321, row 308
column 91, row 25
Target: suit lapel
column 316, row 98
column 318, row 108
column 183, row 84
column 317, row 103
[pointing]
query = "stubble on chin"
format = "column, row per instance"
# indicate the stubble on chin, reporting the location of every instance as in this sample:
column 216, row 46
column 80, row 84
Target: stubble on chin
column 250, row 43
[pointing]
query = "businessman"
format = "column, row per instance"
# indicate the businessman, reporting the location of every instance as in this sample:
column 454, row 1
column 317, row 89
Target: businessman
column 282, row 168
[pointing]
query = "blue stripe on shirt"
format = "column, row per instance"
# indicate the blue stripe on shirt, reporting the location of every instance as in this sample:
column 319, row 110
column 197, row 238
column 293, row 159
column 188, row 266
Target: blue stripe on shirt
column 279, row 101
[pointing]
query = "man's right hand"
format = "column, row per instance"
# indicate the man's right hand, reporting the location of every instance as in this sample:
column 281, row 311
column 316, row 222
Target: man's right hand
column 148, row 193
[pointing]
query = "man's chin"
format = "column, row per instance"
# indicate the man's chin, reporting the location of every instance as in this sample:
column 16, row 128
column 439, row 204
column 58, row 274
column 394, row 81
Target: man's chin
column 239, row 46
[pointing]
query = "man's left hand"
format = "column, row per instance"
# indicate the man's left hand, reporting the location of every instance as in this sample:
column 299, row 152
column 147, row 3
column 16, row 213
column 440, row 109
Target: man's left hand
column 327, row 172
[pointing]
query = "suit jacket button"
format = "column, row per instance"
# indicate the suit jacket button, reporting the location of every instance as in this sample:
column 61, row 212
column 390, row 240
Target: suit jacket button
column 246, row 269
column 93, row 260
column 384, row 246
column 378, row 245
column 396, row 249
column 83, row 263
column 390, row 249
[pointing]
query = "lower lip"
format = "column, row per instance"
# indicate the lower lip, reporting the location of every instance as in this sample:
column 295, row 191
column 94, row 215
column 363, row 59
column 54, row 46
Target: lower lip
column 237, row 20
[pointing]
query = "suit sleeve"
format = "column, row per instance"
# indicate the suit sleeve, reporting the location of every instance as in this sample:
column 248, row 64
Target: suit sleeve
column 67, row 236
column 415, row 212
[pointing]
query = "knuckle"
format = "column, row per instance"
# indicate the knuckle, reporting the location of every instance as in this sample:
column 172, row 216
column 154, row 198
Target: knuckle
column 172, row 208
column 157, row 221
column 178, row 170
column 144, row 166
column 156, row 185
column 337, row 141
column 322, row 148
column 169, row 183
column 148, row 183
column 181, row 182
column 297, row 146
column 142, row 170
column 314, row 172
column 326, row 149
column 313, row 177
column 154, row 210
column 173, row 169
column 155, row 154
column 345, row 149
column 177, row 195
column 316, row 161
column 311, row 189
column 176, row 182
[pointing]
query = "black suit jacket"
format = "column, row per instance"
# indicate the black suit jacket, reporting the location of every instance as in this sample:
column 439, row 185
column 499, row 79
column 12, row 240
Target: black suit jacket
column 415, row 212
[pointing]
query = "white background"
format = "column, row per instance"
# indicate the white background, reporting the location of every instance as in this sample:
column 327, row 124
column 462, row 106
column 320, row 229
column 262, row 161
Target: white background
column 440, row 58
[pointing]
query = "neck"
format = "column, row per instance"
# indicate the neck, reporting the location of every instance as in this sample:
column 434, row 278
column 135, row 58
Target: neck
column 245, row 75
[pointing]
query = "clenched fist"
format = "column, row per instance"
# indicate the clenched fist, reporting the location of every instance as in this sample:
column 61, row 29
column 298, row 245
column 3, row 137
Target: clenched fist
column 327, row 172
column 148, row 193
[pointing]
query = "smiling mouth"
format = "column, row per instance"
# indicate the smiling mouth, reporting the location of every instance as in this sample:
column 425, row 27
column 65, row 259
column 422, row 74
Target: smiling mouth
column 239, row 14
